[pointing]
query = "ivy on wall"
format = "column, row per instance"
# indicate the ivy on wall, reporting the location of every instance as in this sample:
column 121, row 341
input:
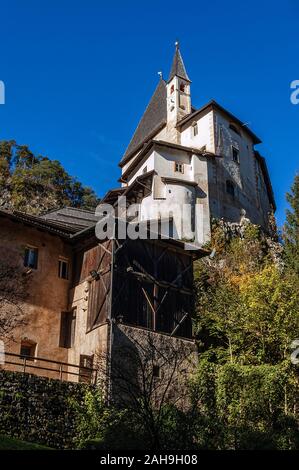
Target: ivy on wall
column 37, row 409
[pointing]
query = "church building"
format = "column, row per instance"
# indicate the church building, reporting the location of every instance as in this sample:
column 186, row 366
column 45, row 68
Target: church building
column 199, row 163
column 88, row 297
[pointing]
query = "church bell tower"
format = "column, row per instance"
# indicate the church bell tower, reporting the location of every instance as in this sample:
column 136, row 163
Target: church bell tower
column 178, row 94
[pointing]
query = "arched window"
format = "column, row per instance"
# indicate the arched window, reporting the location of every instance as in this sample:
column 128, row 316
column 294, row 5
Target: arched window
column 230, row 188
column 172, row 89
column 182, row 87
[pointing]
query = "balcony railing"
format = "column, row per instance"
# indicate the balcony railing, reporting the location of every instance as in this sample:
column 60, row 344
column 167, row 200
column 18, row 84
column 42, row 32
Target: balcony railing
column 62, row 371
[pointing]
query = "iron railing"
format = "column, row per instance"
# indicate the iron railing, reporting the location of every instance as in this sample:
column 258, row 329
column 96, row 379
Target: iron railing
column 85, row 374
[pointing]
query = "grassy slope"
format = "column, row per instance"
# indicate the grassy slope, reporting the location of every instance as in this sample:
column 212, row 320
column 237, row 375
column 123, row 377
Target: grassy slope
column 9, row 443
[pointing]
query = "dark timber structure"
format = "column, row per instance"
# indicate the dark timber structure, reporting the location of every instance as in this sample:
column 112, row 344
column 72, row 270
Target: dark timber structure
column 143, row 283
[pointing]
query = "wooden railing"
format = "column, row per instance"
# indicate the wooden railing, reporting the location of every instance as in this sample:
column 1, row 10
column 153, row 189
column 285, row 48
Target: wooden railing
column 62, row 372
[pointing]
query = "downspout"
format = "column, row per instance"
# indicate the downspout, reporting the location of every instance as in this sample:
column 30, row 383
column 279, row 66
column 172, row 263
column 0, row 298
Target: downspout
column 110, row 328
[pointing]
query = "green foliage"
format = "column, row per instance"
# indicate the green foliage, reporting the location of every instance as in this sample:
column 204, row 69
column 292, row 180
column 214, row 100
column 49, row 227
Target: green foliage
column 247, row 315
column 36, row 409
column 101, row 427
column 36, row 184
column 245, row 407
column 291, row 228
column 247, row 306
column 8, row 443
column 231, row 407
column 91, row 416
column 112, row 428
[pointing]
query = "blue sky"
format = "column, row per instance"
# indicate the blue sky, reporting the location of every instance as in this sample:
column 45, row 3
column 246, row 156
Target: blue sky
column 79, row 74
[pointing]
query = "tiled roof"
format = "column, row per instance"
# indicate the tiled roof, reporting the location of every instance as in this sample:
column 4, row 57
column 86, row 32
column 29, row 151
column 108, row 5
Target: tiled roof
column 65, row 222
column 39, row 223
column 152, row 120
column 214, row 105
column 71, row 218
column 178, row 67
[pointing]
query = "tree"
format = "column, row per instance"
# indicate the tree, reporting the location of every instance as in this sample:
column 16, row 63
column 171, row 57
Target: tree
column 247, row 305
column 6, row 153
column 36, row 184
column 147, row 377
column 245, row 407
column 291, row 228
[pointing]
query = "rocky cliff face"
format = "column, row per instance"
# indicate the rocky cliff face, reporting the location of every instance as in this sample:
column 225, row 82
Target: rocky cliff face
column 5, row 199
column 227, row 231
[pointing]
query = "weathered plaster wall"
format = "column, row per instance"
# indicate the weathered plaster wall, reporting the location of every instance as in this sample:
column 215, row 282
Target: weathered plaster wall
column 243, row 175
column 205, row 136
column 91, row 338
column 89, row 343
column 48, row 294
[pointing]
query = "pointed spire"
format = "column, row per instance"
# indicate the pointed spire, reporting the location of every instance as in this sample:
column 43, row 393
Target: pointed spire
column 178, row 67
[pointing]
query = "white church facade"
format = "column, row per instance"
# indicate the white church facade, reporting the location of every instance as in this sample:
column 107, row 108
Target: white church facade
column 197, row 164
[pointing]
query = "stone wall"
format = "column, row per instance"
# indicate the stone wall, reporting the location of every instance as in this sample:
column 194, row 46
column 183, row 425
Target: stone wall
column 151, row 366
column 38, row 409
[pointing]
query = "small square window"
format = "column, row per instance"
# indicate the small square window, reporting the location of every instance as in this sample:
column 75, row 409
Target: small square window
column 85, row 371
column 30, row 257
column 235, row 129
column 179, row 167
column 63, row 269
column 236, row 154
column 27, row 350
column 156, row 371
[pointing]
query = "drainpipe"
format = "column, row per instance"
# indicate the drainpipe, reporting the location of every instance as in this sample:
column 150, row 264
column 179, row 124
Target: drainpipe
column 110, row 328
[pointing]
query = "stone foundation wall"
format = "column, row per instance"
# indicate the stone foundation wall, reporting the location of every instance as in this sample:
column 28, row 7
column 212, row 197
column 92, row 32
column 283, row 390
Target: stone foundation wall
column 151, row 365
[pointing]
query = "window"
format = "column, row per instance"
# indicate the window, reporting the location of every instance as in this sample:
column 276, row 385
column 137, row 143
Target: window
column 67, row 328
column 230, row 189
column 28, row 349
column 156, row 371
column 86, row 363
column 182, row 87
column 179, row 167
column 172, row 89
column 236, row 154
column 194, row 129
column 63, row 268
column 235, row 129
column 30, row 257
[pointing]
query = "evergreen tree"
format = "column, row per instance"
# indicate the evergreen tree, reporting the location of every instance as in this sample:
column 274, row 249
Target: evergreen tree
column 36, row 184
column 291, row 228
